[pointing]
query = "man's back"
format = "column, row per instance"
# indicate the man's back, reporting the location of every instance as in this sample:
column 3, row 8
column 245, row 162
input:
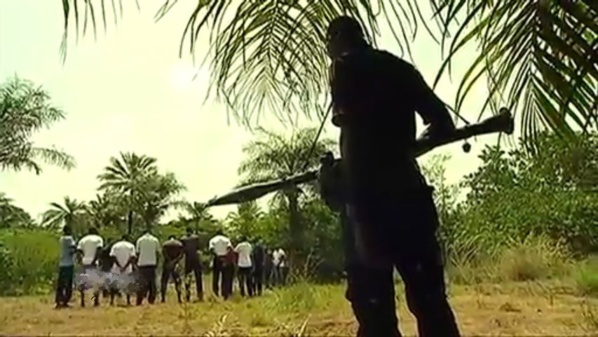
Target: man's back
column 147, row 249
column 243, row 250
column 106, row 260
column 172, row 249
column 258, row 255
column 374, row 104
column 89, row 245
column 67, row 251
column 220, row 244
column 122, row 251
column 191, row 247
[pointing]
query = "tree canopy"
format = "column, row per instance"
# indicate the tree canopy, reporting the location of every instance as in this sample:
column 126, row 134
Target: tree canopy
column 538, row 57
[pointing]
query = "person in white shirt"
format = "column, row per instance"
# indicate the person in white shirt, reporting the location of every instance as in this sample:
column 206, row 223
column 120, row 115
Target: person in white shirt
column 123, row 254
column 244, row 251
column 89, row 249
column 222, row 271
column 148, row 247
column 280, row 266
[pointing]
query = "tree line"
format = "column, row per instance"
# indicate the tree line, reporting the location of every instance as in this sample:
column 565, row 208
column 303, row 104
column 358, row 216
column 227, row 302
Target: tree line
column 543, row 187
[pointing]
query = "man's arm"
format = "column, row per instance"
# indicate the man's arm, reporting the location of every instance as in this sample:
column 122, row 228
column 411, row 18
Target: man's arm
column 211, row 246
column 429, row 106
column 99, row 248
column 131, row 259
column 113, row 256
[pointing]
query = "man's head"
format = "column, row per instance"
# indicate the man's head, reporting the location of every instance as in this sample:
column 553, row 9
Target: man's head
column 125, row 237
column 243, row 238
column 66, row 230
column 189, row 230
column 344, row 35
column 220, row 232
column 172, row 237
column 93, row 231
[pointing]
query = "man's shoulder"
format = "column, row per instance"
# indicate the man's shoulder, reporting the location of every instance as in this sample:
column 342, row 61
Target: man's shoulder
column 387, row 59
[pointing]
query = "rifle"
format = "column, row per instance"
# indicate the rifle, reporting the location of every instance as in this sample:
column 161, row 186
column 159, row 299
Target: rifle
column 502, row 122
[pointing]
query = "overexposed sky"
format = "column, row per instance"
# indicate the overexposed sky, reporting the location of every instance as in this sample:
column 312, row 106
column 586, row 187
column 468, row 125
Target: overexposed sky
column 129, row 91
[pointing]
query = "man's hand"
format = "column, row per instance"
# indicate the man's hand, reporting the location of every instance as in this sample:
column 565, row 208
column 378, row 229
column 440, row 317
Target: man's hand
column 438, row 131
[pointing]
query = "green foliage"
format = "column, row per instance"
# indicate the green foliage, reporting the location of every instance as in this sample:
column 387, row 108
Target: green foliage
column 274, row 156
column 525, row 214
column 24, row 110
column 33, row 256
column 536, row 56
column 586, row 278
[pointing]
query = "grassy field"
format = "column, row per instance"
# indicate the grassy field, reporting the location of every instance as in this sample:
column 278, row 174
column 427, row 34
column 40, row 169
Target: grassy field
column 521, row 309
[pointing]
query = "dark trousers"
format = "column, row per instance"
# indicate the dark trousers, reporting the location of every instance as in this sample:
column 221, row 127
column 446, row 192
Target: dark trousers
column 257, row 280
column 268, row 277
column 280, row 275
column 399, row 233
column 245, row 281
column 195, row 268
column 64, row 285
column 147, row 284
column 222, row 277
column 169, row 272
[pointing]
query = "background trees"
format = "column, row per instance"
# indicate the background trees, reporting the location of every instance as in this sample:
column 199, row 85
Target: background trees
column 273, row 156
column 513, row 197
column 25, row 109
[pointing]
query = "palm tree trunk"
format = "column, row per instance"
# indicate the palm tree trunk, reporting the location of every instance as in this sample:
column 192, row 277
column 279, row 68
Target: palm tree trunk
column 296, row 230
column 130, row 214
column 130, row 222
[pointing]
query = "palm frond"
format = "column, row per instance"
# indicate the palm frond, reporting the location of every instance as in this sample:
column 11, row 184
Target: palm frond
column 539, row 59
column 267, row 53
column 538, row 56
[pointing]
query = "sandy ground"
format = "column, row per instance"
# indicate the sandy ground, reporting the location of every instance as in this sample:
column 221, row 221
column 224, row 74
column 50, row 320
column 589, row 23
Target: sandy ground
column 490, row 310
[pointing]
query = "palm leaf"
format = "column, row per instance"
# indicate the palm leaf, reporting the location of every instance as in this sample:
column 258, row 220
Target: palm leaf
column 537, row 56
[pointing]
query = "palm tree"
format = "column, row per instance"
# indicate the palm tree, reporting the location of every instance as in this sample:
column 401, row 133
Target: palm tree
column 244, row 221
column 126, row 175
column 274, row 156
column 71, row 213
column 196, row 210
column 106, row 209
column 537, row 56
column 155, row 196
column 11, row 215
column 25, row 109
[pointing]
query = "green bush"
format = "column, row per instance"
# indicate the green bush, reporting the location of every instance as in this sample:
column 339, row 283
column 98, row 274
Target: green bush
column 586, row 278
column 33, row 255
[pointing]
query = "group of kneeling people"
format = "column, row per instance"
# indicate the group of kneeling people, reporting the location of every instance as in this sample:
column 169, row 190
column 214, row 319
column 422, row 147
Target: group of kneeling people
column 124, row 268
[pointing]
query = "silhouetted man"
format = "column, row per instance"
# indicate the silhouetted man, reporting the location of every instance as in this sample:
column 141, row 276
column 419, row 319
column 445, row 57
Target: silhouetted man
column 148, row 248
column 258, row 257
column 90, row 247
column 172, row 250
column 390, row 209
column 220, row 247
column 191, row 247
column 66, row 268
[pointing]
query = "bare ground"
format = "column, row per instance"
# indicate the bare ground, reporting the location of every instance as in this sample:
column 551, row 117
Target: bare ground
column 530, row 309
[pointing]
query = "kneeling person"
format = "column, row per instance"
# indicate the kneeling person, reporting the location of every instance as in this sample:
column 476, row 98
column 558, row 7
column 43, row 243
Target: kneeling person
column 122, row 277
column 173, row 252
